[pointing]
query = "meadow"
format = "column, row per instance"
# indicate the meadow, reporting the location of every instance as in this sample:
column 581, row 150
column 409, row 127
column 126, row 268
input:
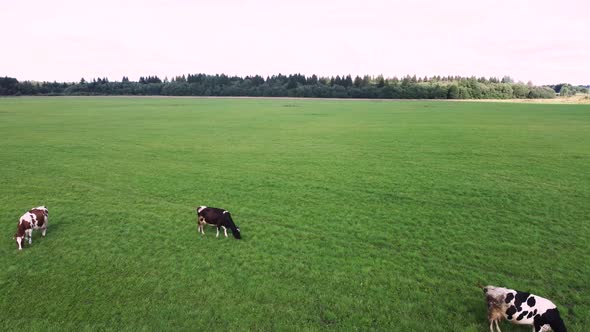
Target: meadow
column 355, row 215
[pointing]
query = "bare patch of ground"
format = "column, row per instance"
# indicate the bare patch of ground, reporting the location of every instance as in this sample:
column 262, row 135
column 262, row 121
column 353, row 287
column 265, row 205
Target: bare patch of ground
column 579, row 99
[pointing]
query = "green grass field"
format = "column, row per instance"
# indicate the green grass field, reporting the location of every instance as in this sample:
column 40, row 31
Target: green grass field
column 355, row 215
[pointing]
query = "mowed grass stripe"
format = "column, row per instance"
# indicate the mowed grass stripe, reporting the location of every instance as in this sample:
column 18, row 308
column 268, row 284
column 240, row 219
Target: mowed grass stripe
column 356, row 215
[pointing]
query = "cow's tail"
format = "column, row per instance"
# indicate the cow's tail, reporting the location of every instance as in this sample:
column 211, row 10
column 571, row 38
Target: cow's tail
column 231, row 225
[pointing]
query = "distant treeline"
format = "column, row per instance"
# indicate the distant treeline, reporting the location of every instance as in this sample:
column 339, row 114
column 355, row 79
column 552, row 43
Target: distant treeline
column 567, row 90
column 408, row 87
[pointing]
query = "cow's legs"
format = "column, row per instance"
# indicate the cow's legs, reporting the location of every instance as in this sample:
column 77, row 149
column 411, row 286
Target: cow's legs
column 542, row 328
column 217, row 232
column 491, row 326
column 19, row 241
column 44, row 229
column 30, row 233
column 498, row 325
column 224, row 230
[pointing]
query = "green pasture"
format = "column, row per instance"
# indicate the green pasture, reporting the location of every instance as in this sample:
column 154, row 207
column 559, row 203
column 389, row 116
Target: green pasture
column 355, row 215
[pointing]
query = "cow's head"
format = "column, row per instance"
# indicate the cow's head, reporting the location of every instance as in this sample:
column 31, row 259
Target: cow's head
column 20, row 243
column 237, row 233
column 495, row 294
column 19, row 236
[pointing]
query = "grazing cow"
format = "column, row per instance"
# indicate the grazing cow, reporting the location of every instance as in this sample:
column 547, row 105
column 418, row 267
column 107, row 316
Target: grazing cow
column 522, row 308
column 36, row 218
column 219, row 218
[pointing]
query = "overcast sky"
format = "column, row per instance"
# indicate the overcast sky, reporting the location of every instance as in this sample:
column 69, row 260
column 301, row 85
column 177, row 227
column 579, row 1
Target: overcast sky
column 538, row 40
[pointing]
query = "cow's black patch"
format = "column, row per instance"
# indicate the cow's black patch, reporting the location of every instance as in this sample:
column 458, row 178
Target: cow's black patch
column 531, row 301
column 519, row 299
column 510, row 311
column 537, row 323
column 550, row 317
column 521, row 316
column 509, row 297
column 530, row 315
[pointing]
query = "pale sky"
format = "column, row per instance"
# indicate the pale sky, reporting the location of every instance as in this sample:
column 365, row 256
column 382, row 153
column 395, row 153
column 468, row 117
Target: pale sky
column 538, row 40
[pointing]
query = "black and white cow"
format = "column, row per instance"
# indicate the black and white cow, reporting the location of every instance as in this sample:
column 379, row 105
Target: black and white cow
column 219, row 218
column 524, row 308
column 35, row 218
